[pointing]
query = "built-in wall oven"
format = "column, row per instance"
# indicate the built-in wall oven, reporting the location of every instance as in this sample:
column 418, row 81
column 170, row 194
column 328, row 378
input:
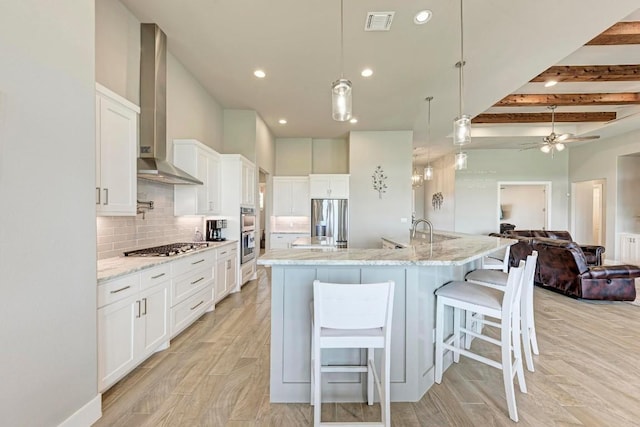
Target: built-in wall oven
column 247, row 234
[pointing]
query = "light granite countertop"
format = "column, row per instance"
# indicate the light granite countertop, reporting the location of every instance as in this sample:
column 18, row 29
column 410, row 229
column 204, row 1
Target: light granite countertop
column 319, row 242
column 111, row 268
column 448, row 249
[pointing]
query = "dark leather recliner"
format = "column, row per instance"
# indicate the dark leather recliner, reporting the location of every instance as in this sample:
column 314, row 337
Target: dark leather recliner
column 562, row 267
column 592, row 253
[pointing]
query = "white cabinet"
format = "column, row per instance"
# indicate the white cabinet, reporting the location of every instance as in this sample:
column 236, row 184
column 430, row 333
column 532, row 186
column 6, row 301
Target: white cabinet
column 239, row 177
column 284, row 240
column 116, row 154
column 291, row 196
column 132, row 321
column 329, row 186
column 226, row 267
column 202, row 162
column 629, row 249
column 192, row 289
column 248, row 183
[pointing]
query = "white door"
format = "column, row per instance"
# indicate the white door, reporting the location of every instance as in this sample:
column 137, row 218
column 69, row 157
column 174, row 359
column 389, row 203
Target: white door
column 597, row 214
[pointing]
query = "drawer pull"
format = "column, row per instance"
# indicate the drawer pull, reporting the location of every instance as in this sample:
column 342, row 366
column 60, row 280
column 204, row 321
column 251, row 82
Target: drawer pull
column 222, row 253
column 145, row 306
column 197, row 305
column 197, row 262
column 196, row 281
column 158, row 275
column 121, row 289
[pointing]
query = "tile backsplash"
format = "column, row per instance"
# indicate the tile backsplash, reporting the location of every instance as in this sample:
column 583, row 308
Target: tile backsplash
column 290, row 224
column 117, row 234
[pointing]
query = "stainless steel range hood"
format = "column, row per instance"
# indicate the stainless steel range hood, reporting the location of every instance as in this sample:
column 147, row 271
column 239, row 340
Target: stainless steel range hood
column 152, row 163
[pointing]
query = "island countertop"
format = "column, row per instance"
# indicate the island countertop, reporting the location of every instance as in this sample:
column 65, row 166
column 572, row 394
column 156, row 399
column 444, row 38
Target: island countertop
column 448, row 248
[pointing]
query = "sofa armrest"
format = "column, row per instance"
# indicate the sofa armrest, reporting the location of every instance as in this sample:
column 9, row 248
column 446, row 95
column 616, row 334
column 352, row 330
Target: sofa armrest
column 593, row 253
column 624, row 271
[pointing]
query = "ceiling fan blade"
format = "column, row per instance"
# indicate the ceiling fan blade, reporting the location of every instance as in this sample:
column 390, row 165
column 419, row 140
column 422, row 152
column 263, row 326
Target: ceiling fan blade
column 531, row 147
column 580, row 138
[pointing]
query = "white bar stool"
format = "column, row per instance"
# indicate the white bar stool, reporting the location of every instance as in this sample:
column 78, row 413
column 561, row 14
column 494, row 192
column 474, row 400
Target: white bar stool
column 497, row 261
column 484, row 301
column 498, row 280
column 352, row 316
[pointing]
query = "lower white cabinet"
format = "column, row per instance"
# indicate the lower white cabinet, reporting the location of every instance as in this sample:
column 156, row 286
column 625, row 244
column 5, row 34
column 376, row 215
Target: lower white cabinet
column 226, row 273
column 629, row 249
column 192, row 283
column 132, row 321
column 284, row 240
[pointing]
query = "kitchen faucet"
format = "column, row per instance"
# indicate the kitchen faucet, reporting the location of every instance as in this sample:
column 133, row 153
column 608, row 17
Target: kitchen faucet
column 425, row 221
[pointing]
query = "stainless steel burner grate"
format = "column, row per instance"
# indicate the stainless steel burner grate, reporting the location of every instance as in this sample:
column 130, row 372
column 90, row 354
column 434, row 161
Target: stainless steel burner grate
column 167, row 250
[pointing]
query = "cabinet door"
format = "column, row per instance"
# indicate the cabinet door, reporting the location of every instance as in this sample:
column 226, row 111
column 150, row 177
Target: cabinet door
column 154, row 318
column 232, row 276
column 300, row 203
column 116, row 338
column 201, row 190
column 214, row 204
column 282, row 190
column 248, row 184
column 339, row 187
column 319, row 187
column 116, row 145
column 220, row 281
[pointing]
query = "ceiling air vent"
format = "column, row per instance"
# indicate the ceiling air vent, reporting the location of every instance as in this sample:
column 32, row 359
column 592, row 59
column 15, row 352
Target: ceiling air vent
column 378, row 21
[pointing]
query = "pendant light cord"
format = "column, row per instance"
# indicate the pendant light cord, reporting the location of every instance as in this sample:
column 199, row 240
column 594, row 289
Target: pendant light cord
column 341, row 39
column 461, row 85
column 429, row 98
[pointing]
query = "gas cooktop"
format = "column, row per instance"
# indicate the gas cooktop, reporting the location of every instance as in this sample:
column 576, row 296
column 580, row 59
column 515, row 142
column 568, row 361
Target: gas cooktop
column 168, row 250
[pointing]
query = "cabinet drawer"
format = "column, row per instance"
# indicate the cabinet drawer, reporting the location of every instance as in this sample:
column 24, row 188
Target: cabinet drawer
column 247, row 272
column 190, row 282
column 189, row 263
column 154, row 276
column 117, row 289
column 190, row 309
column 227, row 251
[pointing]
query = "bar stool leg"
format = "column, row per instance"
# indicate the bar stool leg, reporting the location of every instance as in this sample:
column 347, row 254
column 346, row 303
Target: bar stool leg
column 370, row 380
column 439, row 337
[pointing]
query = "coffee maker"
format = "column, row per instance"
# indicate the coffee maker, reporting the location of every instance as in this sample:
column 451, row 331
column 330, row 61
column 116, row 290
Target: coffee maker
column 214, row 230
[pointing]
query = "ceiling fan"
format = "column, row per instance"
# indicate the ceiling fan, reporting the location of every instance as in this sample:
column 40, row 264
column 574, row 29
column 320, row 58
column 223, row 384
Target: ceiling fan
column 556, row 142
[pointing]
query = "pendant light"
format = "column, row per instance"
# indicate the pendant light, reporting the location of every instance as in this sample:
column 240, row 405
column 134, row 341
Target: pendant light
column 416, row 177
column 428, row 171
column 341, row 88
column 462, row 123
column 461, row 161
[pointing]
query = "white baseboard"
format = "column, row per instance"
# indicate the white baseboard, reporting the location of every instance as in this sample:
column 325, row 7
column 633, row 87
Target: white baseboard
column 87, row 415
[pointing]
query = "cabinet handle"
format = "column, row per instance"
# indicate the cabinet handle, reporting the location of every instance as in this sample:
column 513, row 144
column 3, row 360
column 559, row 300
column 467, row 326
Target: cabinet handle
column 210, row 206
column 98, row 194
column 196, row 281
column 158, row 275
column 222, row 253
column 197, row 305
column 120, row 290
column 106, row 196
column 145, row 306
column 138, row 304
column 197, row 262
column 228, row 264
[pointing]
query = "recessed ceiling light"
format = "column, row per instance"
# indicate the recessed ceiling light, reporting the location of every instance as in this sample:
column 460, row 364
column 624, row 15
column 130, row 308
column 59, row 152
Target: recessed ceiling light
column 353, row 120
column 367, row 72
column 282, row 121
column 422, row 17
column 550, row 83
column 259, row 74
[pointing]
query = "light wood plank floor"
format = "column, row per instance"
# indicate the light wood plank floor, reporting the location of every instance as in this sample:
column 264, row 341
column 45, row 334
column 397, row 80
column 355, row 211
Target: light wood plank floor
column 216, row 373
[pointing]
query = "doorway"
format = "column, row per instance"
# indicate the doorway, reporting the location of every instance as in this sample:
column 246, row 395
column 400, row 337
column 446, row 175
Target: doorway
column 524, row 204
column 587, row 212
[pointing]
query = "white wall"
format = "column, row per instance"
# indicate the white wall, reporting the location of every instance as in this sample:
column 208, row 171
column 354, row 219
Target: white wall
column 191, row 111
column 240, row 133
column 629, row 193
column 476, row 187
column 444, row 181
column 371, row 217
column 330, row 156
column 47, row 222
column 294, row 156
column 599, row 160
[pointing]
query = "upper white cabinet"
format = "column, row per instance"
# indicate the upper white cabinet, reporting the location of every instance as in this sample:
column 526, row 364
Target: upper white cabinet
column 116, row 154
column 329, row 186
column 202, row 162
column 629, row 252
column 239, row 176
column 291, row 196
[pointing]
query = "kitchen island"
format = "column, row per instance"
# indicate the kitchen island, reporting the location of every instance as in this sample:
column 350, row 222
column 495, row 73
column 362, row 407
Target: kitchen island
column 417, row 269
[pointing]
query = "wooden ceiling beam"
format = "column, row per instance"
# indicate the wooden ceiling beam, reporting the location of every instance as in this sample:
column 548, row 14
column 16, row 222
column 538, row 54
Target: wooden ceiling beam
column 590, row 73
column 562, row 99
column 544, row 117
column 619, row 34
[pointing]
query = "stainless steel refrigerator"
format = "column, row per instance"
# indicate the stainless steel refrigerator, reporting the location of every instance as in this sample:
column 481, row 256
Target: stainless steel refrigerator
column 330, row 218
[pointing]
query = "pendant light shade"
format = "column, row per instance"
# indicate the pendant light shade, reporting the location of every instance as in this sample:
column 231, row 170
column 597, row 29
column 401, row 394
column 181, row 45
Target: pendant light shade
column 428, row 173
column 416, row 178
column 341, row 100
column 461, row 161
column 462, row 130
